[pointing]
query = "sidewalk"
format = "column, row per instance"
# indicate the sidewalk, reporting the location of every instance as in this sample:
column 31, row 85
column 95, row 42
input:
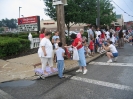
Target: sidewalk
column 23, row 67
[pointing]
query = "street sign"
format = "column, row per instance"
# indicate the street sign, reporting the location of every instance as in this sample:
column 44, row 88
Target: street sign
column 31, row 23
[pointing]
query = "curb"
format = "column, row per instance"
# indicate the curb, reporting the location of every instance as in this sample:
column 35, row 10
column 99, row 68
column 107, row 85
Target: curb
column 99, row 55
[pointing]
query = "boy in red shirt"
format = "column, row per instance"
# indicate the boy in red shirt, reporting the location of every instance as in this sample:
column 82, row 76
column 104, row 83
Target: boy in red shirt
column 91, row 47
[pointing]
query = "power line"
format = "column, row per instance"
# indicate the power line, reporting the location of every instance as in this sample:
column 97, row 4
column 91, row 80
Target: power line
column 127, row 5
column 121, row 9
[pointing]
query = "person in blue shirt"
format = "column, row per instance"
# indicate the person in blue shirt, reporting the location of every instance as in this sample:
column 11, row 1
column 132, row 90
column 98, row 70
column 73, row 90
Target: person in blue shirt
column 60, row 53
column 54, row 38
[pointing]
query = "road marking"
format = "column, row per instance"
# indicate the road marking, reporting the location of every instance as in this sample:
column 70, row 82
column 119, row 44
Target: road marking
column 112, row 64
column 102, row 83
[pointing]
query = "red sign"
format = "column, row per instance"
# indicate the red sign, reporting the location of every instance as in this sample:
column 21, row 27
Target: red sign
column 27, row 20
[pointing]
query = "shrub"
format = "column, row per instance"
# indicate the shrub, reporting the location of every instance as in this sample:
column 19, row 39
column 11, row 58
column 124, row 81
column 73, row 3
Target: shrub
column 23, row 36
column 12, row 46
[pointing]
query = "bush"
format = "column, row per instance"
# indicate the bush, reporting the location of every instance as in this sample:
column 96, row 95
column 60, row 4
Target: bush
column 12, row 46
column 35, row 35
column 23, row 36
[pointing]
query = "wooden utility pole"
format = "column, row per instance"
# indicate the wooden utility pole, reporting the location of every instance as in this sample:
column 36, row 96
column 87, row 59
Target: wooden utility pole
column 61, row 22
column 98, row 13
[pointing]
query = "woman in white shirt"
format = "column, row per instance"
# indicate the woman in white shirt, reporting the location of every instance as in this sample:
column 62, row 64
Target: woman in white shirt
column 45, row 52
column 113, row 53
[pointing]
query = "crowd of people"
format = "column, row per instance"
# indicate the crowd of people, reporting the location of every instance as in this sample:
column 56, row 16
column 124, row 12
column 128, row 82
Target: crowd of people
column 98, row 41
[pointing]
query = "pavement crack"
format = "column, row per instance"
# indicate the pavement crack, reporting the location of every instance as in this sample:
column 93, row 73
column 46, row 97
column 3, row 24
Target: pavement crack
column 61, row 82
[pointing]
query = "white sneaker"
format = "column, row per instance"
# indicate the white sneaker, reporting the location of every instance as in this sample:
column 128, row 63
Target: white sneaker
column 109, row 61
column 85, row 71
column 116, row 59
column 79, row 71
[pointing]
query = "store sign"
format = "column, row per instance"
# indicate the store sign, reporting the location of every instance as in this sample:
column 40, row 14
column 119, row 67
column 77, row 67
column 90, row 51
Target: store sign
column 49, row 23
column 29, row 23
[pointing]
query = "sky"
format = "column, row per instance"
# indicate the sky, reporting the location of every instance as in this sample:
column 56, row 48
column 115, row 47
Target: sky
column 10, row 8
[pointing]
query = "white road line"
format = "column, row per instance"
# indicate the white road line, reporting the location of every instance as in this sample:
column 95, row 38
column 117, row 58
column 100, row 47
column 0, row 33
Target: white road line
column 102, row 83
column 112, row 64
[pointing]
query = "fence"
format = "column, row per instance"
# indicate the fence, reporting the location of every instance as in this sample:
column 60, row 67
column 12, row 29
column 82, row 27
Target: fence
column 34, row 41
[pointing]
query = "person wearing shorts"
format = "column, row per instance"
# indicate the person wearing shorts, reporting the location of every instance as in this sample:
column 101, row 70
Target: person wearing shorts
column 111, row 51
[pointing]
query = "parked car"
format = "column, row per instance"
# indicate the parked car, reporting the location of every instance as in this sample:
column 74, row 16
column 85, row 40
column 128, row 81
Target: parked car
column 70, row 32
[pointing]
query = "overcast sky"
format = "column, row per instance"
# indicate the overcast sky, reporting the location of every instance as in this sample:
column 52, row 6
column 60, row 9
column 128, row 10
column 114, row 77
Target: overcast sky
column 10, row 8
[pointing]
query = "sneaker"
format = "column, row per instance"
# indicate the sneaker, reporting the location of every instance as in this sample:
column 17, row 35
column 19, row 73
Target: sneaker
column 79, row 71
column 85, row 71
column 109, row 61
column 116, row 59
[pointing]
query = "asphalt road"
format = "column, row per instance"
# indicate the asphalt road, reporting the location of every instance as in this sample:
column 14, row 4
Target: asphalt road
column 103, row 81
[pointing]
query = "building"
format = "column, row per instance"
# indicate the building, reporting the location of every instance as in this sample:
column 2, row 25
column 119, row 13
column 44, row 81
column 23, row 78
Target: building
column 129, row 25
column 51, row 25
column 119, row 21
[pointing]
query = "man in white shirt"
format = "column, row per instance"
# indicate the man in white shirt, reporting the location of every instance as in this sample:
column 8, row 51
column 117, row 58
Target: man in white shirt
column 98, row 32
column 107, row 34
column 113, row 51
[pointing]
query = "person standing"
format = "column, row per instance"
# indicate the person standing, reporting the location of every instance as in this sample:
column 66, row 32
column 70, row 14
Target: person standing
column 82, row 61
column 90, row 33
column 107, row 34
column 79, row 35
column 91, row 47
column 56, row 35
column 121, row 39
column 60, row 53
column 42, row 34
column 45, row 52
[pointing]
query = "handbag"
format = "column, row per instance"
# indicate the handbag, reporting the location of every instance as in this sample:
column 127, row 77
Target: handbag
column 75, row 54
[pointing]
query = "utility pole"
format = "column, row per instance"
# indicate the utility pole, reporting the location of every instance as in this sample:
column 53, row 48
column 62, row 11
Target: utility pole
column 98, row 13
column 60, row 18
column 61, row 22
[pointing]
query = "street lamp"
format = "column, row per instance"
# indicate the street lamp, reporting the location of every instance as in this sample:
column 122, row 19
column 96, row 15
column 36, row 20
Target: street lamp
column 19, row 11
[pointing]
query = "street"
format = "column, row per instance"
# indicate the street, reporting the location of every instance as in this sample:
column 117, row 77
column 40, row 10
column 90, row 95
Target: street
column 103, row 81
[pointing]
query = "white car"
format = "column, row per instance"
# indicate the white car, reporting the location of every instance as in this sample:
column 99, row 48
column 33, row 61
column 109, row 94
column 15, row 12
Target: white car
column 70, row 32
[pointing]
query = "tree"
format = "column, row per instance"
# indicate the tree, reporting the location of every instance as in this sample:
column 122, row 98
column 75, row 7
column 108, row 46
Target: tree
column 1, row 29
column 10, row 23
column 83, row 11
column 106, row 12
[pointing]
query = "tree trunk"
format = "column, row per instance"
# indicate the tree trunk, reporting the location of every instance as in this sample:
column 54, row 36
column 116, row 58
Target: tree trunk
column 61, row 23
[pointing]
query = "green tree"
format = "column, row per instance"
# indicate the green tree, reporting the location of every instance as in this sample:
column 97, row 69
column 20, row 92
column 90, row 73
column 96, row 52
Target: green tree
column 1, row 29
column 106, row 12
column 10, row 23
column 83, row 11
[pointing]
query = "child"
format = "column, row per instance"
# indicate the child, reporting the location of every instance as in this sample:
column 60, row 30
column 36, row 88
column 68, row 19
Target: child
column 60, row 53
column 91, row 46
column 86, row 49
column 100, row 40
column 57, row 40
